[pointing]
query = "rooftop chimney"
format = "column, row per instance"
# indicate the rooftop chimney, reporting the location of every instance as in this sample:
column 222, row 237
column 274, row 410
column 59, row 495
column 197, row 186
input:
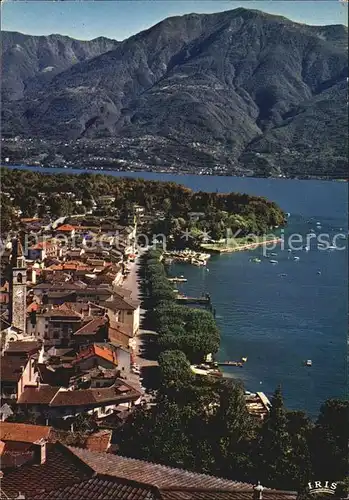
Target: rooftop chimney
column 40, row 451
column 258, row 491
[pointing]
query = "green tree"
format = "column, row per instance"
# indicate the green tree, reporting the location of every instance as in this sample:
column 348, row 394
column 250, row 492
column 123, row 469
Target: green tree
column 274, row 447
column 232, row 430
column 175, row 370
column 300, row 429
column 29, row 206
column 330, row 441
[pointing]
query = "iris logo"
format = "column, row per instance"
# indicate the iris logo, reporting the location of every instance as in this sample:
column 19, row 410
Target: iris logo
column 322, row 487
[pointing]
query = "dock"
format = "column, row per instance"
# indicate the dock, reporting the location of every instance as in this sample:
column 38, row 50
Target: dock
column 230, row 363
column 183, row 299
column 177, row 279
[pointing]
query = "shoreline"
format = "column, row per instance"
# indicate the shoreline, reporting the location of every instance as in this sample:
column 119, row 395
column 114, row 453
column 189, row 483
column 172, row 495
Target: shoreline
column 107, row 169
column 239, row 248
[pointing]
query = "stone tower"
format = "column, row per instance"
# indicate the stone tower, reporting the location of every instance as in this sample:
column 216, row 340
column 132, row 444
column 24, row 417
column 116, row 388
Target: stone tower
column 18, row 288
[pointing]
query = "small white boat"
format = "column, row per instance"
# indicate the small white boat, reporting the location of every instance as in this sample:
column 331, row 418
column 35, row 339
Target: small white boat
column 289, row 250
column 273, row 261
column 273, row 254
column 308, row 362
column 332, row 247
column 318, row 272
column 296, row 258
column 306, row 249
column 283, row 275
column 318, row 223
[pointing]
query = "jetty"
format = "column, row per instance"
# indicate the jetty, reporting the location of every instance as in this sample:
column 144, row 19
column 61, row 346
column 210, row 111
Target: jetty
column 184, row 299
column 177, row 279
column 230, row 363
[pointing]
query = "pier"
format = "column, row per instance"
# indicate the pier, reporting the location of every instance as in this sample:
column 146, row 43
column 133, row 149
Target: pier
column 183, row 299
column 176, row 279
column 230, row 363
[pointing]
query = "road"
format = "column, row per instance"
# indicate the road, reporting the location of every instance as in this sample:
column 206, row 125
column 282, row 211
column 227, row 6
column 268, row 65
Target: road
column 131, row 282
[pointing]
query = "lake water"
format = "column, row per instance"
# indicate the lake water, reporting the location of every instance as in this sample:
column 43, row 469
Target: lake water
column 276, row 321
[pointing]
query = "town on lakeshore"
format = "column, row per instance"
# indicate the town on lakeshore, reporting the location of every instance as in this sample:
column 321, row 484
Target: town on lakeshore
column 105, row 364
column 173, row 250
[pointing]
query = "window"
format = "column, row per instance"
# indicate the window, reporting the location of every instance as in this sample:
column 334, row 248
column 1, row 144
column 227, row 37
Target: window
column 129, row 313
column 56, row 335
column 19, row 278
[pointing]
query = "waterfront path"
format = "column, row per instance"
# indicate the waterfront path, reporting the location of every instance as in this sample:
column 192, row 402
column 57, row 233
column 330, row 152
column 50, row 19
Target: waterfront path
column 143, row 337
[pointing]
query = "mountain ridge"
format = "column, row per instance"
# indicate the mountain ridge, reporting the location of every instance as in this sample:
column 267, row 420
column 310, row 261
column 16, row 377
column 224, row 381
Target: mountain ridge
column 250, row 82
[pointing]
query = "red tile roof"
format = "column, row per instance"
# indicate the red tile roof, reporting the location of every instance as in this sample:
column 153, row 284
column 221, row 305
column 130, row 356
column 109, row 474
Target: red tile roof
column 92, row 397
column 42, row 245
column 152, row 474
column 65, row 227
column 38, row 395
column 62, row 468
column 71, row 472
column 25, row 433
column 101, row 488
column 64, row 313
column 92, row 327
column 11, row 368
column 23, row 347
column 121, row 303
column 104, row 351
column 98, row 441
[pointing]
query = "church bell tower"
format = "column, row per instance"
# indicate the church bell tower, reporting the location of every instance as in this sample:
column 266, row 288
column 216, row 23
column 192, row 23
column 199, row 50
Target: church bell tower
column 18, row 289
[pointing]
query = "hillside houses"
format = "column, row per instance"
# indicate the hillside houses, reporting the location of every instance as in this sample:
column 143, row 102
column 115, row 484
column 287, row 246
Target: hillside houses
column 70, row 350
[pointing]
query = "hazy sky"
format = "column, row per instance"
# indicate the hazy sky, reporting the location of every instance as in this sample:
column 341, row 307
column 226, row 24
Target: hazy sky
column 120, row 19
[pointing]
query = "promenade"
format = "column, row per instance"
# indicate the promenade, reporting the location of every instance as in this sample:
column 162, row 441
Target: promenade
column 132, row 283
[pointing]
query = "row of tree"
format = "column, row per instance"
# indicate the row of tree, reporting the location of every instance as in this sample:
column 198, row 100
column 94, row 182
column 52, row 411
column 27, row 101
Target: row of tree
column 192, row 331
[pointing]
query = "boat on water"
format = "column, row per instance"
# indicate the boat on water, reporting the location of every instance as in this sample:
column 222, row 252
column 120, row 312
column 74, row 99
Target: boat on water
column 306, row 248
column 318, row 223
column 289, row 250
column 308, row 362
column 244, row 360
column 318, row 272
column 273, row 254
column 256, row 259
column 332, row 247
column 273, row 261
column 296, row 258
column 283, row 275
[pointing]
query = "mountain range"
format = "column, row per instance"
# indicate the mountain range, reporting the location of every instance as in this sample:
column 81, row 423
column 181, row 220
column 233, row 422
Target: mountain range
column 260, row 91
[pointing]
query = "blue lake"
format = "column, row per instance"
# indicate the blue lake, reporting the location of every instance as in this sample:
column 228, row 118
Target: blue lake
column 276, row 321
